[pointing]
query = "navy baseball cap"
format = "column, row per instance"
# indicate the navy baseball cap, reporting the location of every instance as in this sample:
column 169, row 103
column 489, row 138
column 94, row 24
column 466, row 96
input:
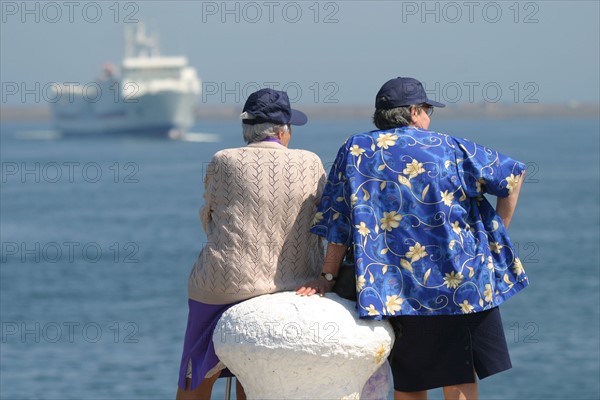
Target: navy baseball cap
column 402, row 92
column 269, row 105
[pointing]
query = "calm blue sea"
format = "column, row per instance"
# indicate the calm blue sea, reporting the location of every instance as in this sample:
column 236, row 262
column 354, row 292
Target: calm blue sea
column 98, row 236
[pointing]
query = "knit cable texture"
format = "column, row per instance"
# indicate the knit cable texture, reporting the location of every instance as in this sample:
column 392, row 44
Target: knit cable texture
column 260, row 201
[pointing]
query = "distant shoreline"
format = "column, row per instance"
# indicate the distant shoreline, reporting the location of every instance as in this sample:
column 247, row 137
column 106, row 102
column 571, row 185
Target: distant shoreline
column 336, row 111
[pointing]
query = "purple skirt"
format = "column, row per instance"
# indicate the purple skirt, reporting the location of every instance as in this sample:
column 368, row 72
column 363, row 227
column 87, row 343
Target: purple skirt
column 198, row 344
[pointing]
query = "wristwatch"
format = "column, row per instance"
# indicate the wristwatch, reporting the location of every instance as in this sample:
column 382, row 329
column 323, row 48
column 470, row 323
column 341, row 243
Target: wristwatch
column 328, row 276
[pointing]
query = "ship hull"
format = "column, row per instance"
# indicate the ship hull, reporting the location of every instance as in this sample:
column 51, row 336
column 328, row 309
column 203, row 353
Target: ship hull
column 153, row 114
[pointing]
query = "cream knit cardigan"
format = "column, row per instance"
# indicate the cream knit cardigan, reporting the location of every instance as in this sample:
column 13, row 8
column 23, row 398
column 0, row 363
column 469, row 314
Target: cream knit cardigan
column 260, row 201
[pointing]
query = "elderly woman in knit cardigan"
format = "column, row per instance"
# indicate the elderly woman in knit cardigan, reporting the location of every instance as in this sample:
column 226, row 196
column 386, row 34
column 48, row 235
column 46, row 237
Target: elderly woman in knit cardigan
column 259, row 204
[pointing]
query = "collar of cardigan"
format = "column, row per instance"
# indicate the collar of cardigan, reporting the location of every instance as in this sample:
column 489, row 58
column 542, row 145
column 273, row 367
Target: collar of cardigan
column 268, row 145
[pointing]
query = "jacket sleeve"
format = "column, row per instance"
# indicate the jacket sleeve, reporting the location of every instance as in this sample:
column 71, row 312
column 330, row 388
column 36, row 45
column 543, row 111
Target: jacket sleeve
column 483, row 170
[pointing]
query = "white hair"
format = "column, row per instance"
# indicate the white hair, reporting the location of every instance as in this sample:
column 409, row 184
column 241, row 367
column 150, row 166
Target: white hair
column 258, row 132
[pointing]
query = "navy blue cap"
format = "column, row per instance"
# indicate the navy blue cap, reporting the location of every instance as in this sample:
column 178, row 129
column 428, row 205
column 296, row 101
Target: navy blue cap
column 402, row 92
column 269, row 105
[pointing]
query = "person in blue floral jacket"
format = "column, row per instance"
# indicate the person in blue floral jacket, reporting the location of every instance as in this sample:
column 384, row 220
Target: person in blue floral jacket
column 432, row 254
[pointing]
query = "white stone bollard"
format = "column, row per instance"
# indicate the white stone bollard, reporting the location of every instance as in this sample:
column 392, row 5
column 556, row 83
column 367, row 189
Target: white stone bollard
column 288, row 346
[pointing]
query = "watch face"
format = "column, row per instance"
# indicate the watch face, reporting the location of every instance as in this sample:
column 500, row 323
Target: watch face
column 329, row 276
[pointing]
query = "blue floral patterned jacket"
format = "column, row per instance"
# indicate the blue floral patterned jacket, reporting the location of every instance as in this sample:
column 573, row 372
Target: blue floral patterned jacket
column 426, row 240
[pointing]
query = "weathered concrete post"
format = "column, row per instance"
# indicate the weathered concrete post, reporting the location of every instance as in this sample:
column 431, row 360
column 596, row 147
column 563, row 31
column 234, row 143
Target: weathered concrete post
column 287, row 346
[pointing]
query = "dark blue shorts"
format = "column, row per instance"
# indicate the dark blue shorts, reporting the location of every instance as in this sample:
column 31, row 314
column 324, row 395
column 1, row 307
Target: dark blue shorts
column 436, row 351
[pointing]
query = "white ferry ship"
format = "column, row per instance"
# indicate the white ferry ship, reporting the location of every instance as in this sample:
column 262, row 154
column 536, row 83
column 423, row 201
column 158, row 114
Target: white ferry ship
column 154, row 95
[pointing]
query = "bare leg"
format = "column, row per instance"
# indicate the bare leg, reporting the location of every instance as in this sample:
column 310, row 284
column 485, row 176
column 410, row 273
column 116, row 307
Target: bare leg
column 467, row 391
column 422, row 395
column 240, row 394
column 202, row 392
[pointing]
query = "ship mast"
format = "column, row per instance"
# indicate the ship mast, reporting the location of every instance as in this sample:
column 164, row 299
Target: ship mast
column 138, row 44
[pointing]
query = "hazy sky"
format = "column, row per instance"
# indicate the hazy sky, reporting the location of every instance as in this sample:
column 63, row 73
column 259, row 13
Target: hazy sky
column 322, row 52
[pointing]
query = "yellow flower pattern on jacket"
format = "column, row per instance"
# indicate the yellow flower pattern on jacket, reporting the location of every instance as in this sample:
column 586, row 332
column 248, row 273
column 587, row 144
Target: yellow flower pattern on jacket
column 390, row 220
column 413, row 169
column 426, row 240
column 385, row 140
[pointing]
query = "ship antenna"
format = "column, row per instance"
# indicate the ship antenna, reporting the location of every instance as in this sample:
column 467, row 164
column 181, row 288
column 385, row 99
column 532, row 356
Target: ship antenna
column 138, row 44
column 129, row 41
column 154, row 51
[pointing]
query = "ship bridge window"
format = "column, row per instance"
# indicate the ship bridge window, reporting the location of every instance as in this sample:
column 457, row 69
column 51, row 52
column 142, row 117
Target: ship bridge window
column 154, row 73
